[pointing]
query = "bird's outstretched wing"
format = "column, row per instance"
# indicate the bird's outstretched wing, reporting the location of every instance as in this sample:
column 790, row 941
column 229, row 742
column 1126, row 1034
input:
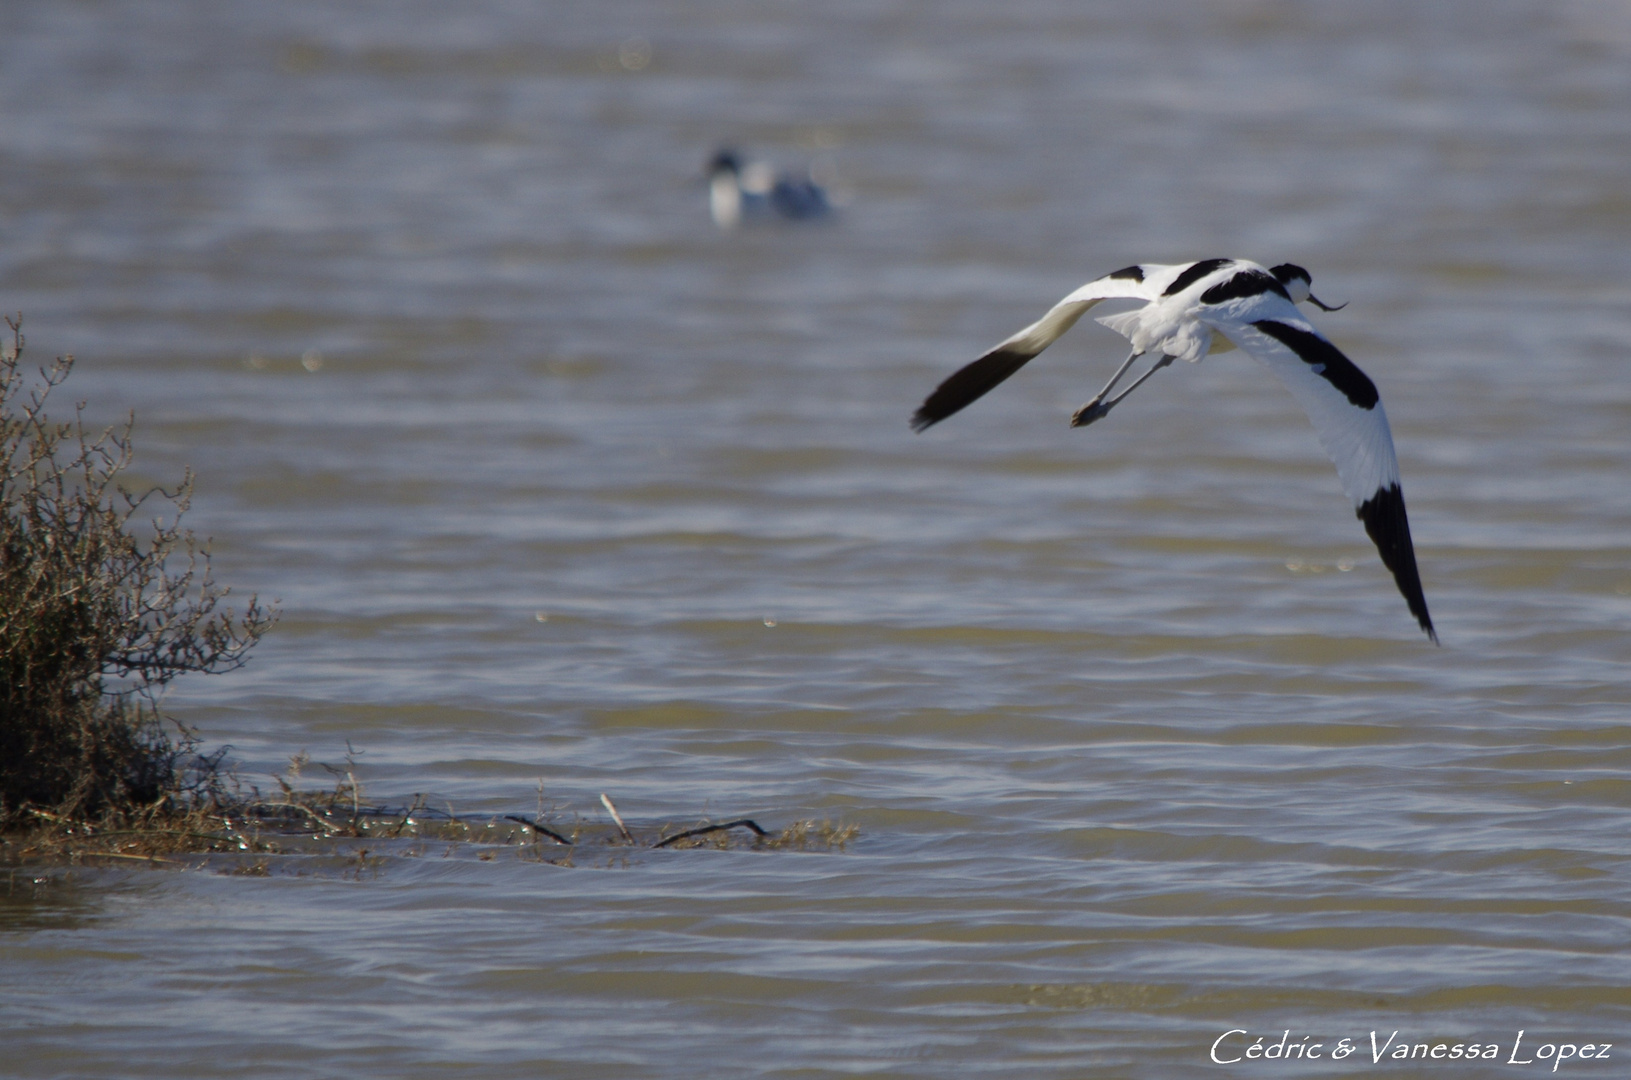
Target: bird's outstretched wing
column 977, row 379
column 1348, row 417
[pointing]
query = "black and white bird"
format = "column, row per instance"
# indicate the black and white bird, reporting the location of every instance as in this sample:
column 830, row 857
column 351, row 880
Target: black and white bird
column 1213, row 306
column 740, row 191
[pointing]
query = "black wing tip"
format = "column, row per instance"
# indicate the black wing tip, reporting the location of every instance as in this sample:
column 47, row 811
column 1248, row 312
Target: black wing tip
column 1418, row 608
column 1424, row 619
column 1389, row 528
column 968, row 384
column 933, row 410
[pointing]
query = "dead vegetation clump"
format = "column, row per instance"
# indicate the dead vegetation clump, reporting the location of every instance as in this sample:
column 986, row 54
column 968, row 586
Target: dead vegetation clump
column 335, row 828
column 96, row 620
column 158, row 834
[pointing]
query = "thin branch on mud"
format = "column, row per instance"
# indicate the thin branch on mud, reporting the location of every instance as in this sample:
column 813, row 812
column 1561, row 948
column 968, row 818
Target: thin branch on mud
column 539, row 829
column 742, row 822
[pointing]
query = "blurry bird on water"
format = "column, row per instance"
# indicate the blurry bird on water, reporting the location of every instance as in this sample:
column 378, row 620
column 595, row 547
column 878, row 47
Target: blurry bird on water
column 1216, row 305
column 741, row 191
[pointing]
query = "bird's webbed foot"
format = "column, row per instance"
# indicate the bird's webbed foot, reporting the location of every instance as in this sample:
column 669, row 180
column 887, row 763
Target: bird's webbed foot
column 1098, row 407
column 1093, row 410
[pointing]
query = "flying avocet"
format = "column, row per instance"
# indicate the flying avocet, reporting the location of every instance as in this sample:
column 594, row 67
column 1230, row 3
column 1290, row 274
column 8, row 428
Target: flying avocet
column 1213, row 306
column 739, row 190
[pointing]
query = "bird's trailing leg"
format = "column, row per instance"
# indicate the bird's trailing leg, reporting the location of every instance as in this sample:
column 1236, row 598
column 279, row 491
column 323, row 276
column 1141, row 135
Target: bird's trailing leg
column 1087, row 410
column 1098, row 407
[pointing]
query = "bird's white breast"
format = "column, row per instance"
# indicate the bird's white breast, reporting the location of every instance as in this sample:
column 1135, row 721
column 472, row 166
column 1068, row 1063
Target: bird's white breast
column 725, row 200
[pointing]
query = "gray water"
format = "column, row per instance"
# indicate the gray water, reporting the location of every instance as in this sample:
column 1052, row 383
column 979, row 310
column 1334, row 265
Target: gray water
column 559, row 485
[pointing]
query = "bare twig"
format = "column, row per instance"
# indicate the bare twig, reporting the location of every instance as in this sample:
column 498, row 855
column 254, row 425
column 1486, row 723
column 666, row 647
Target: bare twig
column 540, row 829
column 407, row 815
column 743, row 822
column 622, row 828
column 351, row 775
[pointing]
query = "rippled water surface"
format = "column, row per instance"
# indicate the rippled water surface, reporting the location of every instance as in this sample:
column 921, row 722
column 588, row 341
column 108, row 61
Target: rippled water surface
column 558, row 484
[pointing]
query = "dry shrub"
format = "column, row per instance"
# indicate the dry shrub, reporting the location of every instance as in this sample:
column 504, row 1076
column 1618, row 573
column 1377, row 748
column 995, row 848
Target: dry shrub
column 95, row 621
